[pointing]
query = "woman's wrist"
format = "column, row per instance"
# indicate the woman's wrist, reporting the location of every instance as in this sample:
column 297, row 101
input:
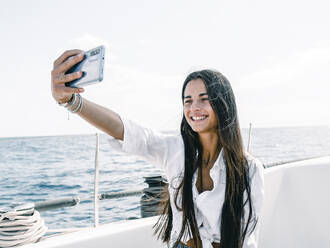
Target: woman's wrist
column 66, row 102
column 74, row 104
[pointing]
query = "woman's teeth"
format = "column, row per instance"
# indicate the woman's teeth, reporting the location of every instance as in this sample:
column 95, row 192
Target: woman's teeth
column 198, row 118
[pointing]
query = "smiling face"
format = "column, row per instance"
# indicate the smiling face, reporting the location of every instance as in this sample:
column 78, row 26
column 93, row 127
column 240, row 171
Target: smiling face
column 197, row 108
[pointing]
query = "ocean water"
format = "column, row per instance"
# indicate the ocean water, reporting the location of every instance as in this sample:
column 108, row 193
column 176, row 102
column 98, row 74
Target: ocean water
column 37, row 169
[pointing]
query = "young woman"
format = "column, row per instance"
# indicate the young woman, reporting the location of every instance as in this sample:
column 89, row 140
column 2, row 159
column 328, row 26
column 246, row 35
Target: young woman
column 215, row 187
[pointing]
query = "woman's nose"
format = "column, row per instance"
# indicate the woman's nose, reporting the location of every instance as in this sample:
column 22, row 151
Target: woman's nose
column 195, row 106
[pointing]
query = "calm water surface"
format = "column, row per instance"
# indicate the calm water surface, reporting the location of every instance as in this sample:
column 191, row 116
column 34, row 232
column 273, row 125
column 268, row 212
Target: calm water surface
column 45, row 168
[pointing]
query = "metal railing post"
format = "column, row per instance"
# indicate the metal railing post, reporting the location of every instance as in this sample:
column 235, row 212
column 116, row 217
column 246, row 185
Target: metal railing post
column 96, row 184
column 249, row 140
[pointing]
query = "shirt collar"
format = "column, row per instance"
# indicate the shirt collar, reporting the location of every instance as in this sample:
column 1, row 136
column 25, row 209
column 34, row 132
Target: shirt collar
column 220, row 162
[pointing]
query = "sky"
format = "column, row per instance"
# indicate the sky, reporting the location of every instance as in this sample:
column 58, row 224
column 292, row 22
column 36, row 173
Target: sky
column 276, row 55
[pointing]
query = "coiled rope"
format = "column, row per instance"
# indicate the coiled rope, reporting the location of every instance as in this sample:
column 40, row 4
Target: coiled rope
column 21, row 225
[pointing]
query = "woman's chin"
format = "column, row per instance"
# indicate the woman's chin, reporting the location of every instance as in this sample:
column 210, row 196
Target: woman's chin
column 199, row 129
column 203, row 129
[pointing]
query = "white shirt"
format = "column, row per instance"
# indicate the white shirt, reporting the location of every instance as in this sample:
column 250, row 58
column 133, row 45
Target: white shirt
column 167, row 152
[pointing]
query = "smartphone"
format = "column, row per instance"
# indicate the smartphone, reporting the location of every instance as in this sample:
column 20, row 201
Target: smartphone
column 91, row 66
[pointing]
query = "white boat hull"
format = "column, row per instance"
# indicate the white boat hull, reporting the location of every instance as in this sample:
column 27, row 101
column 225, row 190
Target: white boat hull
column 131, row 233
column 297, row 203
column 295, row 214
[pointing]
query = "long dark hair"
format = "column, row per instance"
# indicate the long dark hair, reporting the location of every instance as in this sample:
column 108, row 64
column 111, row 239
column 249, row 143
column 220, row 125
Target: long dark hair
column 222, row 100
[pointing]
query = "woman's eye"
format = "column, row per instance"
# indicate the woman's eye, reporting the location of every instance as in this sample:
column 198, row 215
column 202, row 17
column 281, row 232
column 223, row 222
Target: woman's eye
column 205, row 99
column 188, row 101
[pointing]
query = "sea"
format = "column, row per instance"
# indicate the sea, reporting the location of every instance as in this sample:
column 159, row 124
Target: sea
column 37, row 169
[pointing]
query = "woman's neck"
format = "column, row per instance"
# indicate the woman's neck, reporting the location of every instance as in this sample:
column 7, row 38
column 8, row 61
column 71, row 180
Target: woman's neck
column 211, row 147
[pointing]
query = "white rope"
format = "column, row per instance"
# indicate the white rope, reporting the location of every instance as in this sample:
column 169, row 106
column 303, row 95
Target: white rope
column 22, row 225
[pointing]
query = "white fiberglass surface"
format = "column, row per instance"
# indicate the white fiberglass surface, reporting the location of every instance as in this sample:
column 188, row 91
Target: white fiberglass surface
column 295, row 214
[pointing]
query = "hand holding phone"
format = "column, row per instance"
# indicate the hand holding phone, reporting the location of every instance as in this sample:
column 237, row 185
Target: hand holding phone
column 91, row 66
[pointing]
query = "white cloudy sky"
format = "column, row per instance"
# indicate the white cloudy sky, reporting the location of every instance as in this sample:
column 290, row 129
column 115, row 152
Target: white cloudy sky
column 276, row 54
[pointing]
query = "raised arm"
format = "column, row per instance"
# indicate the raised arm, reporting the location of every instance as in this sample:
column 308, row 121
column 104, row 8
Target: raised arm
column 102, row 118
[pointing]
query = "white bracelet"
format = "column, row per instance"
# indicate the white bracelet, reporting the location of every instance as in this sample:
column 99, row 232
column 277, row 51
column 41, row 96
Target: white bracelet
column 78, row 106
column 73, row 101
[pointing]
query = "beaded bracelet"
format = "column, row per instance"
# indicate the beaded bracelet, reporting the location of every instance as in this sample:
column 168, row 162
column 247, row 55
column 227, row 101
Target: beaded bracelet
column 78, row 106
column 72, row 102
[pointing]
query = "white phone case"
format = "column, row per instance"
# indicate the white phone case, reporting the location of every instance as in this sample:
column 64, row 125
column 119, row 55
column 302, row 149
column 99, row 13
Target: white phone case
column 92, row 67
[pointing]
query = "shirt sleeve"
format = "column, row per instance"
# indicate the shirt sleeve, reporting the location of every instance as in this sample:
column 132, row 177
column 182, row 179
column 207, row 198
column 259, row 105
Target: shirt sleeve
column 257, row 196
column 144, row 142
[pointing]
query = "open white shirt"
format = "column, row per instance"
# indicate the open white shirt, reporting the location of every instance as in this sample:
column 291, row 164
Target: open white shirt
column 167, row 152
